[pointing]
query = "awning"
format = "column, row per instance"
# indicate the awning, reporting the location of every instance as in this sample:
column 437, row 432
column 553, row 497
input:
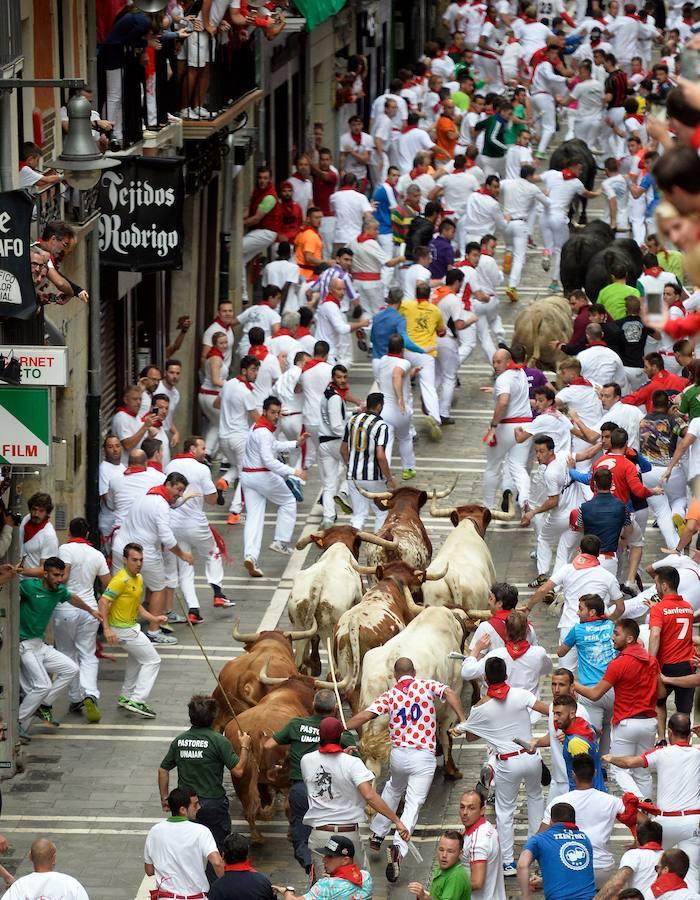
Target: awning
column 317, row 11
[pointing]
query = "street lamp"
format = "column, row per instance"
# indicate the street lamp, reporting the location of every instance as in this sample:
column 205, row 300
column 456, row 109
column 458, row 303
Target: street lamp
column 81, row 161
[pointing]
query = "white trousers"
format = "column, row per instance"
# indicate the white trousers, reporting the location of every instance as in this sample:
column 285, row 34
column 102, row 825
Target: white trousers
column 113, row 106
column 554, row 530
column 142, row 664
column 211, row 432
column 399, row 430
column 616, row 144
column 469, row 336
column 570, row 660
column 326, row 230
column 361, row 505
column 600, row 716
column 75, row 635
column 513, row 456
column 546, row 116
column 516, row 235
column 233, row 448
column 510, row 774
column 258, row 488
column 683, row 832
column 290, row 427
column 661, row 504
column 411, row 773
column 635, row 377
column 632, row 737
column 554, row 226
column 257, row 241
column 198, row 540
column 587, row 128
column 447, row 368
column 426, row 381
column 37, row 663
column 330, row 468
column 386, row 242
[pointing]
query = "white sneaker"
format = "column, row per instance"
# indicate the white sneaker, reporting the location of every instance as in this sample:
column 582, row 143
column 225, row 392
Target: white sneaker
column 160, row 637
column 279, row 547
column 185, row 113
column 201, row 112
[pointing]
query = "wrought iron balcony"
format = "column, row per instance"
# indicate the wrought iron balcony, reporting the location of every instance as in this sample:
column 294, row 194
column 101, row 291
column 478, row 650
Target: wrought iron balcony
column 10, row 33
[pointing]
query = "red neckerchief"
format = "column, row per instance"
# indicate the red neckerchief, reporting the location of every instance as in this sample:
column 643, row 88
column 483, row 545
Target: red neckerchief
column 185, row 456
column 283, row 331
column 152, row 464
column 637, row 117
column 262, row 422
column 597, row 344
column 218, row 321
column 302, row 331
column 239, row 867
column 409, row 679
column 356, row 137
column 349, row 872
column 264, row 303
column 580, row 727
column 361, row 238
column 513, row 365
column 397, row 355
column 654, row 271
column 161, row 491
column 567, row 174
column 341, row 392
column 498, row 691
column 259, row 351
column 485, row 192
column 633, row 16
column 299, row 177
column 127, row 411
column 133, row 470
column 472, row 828
column 78, row 541
column 585, row 561
column 570, row 825
column 309, row 364
column 470, row 163
column 678, row 305
column 30, row 530
column 329, row 298
column 330, row 748
column 666, row 883
column 408, row 128
column 243, row 381
column 517, row 649
column 23, row 165
column 636, row 651
column 651, row 845
column 415, row 172
column 215, row 352
column 580, row 381
column 498, row 623
column 527, row 20
column 348, row 187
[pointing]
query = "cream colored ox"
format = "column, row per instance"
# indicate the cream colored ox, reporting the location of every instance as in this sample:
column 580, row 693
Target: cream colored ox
column 427, row 641
column 543, row 321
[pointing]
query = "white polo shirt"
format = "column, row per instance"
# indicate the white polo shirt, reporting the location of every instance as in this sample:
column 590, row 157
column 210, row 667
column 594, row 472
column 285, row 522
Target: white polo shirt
column 124, row 425
column 602, row 365
column 46, row 885
column 584, row 400
column 626, row 416
column 457, row 188
column 561, row 191
column 677, row 768
column 314, row 380
column 385, row 383
column 178, row 851
column 237, row 401
column 86, row 565
column 596, row 814
column 575, row 582
column 642, row 862
column 348, row 207
column 514, row 383
column 261, row 315
column 408, row 144
column 556, row 425
column 497, row 721
column 516, row 157
column 482, row 845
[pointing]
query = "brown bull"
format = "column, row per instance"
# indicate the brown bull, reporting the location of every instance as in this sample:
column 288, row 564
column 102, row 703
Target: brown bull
column 540, row 323
column 239, row 681
column 385, row 609
column 403, row 525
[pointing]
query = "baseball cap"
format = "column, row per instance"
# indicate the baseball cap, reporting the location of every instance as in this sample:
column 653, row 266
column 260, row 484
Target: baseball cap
column 338, row 846
column 330, row 730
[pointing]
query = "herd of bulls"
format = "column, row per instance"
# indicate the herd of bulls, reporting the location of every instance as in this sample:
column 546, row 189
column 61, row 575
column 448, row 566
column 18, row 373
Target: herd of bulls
column 414, row 606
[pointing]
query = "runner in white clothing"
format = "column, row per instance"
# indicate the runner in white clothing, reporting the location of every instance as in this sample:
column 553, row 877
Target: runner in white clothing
column 546, row 88
column 522, row 198
column 238, row 410
column 110, row 465
column 456, row 318
column 313, row 381
column 412, row 760
column 45, row 881
column 394, row 374
column 331, row 324
column 638, row 866
column 37, row 537
column 482, row 849
column 482, row 213
column 129, row 485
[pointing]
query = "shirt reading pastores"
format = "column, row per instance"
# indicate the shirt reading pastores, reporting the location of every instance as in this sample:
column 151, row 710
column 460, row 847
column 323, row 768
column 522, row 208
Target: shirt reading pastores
column 200, row 756
column 410, row 706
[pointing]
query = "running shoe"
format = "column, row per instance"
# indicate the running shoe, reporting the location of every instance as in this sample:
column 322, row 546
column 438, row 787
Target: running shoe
column 512, row 294
column 234, row 518
column 252, row 567
column 92, row 710
column 175, row 618
column 435, row 430
column 221, row 484
column 76, row 707
column 393, row 867
column 342, row 501
column 408, row 474
column 45, row 713
column 536, row 582
column 223, row 603
column 122, row 701
column 679, row 523
column 280, row 547
column 296, row 486
column 506, row 500
column 509, row 870
column 546, row 260
column 194, row 616
column 160, row 637
column 141, row 709
column 24, row 736
column 447, row 420
column 375, row 842
column 554, row 287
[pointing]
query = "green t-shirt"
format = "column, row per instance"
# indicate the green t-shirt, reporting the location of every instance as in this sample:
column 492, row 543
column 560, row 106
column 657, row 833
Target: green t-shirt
column 36, row 606
column 690, row 402
column 671, row 261
column 513, row 129
column 461, row 101
column 200, row 756
column 266, row 204
column 613, row 297
column 301, row 736
column 451, row 884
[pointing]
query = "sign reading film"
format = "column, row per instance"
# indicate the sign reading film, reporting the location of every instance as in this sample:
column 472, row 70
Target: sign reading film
column 17, row 294
column 141, row 204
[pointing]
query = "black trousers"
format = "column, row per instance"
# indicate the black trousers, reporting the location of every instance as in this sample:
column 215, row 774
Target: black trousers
column 684, row 696
column 298, row 807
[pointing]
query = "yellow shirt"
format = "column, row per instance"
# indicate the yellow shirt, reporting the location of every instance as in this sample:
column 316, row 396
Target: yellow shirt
column 125, row 592
column 423, row 321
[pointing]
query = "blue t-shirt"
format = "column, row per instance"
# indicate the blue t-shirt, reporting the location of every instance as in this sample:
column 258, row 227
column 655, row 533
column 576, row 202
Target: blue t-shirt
column 593, row 640
column 389, row 321
column 647, row 182
column 382, row 212
column 565, row 856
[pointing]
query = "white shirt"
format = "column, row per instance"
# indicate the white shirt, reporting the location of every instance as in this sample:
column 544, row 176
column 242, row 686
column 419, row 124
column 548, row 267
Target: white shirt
column 561, row 191
column 268, row 373
column 519, row 195
column 482, row 215
column 198, row 475
column 689, row 572
column 411, row 276
column 524, row 672
column 482, row 845
column 514, row 383
column 624, row 416
column 584, row 400
column 148, row 524
column 385, row 370
column 237, row 401
column 178, row 851
column 642, row 863
column 288, row 380
column 86, row 564
column 401, row 112
column 350, row 164
column 489, row 275
column 408, row 144
column 451, row 307
column 602, row 365
column 302, row 191
column 173, row 395
column 558, row 483
column 331, row 783
column 106, row 515
column 531, row 35
column 348, row 208
column 694, row 449
column 46, row 886
column 556, row 425
column 677, row 776
column 517, row 156
column 261, row 449
column 596, row 814
column 457, row 187
column 616, row 187
column 589, row 95
column 280, row 272
column 125, row 489
column 498, row 721
column 625, row 32
column 574, row 583
column 331, row 324
column 259, row 315
column 207, row 338
column 124, row 425
column 424, row 181
column 313, row 383
column 547, row 81
column 43, row 545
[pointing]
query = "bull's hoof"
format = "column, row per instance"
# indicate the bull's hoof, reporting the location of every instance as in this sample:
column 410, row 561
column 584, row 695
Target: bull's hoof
column 256, row 839
column 452, row 775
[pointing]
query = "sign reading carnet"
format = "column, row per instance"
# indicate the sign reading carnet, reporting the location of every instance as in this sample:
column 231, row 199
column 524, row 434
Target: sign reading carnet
column 41, row 366
column 25, row 426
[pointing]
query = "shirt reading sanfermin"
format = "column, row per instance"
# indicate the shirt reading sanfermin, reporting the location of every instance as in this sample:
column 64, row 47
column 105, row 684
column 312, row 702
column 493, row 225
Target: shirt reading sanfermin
column 200, row 756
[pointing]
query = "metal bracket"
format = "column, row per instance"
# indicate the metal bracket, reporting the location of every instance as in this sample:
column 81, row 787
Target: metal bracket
column 11, row 84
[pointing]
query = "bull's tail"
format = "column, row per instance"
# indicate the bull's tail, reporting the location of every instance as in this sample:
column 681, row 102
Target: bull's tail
column 354, row 645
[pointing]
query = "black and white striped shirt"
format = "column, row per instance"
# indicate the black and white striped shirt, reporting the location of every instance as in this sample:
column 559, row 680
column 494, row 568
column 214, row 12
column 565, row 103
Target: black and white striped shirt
column 363, row 434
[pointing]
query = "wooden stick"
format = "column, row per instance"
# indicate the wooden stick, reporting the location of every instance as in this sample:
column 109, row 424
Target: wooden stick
column 335, row 685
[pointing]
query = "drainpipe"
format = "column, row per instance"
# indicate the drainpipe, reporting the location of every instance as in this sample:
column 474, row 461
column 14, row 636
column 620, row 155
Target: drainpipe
column 6, row 132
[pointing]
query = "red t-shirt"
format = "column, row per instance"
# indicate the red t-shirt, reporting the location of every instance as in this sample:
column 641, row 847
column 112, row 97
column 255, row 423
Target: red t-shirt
column 634, row 675
column 323, row 188
column 625, row 478
column 674, row 616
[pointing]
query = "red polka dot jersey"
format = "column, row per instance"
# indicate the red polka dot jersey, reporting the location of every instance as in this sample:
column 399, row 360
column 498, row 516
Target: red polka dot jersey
column 410, row 705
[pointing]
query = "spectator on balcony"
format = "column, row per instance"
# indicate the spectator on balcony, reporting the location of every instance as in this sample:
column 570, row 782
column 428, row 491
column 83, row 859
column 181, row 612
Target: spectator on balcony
column 101, row 128
column 264, row 217
column 292, row 217
column 210, row 22
column 355, row 148
column 58, row 240
column 29, row 174
column 40, row 267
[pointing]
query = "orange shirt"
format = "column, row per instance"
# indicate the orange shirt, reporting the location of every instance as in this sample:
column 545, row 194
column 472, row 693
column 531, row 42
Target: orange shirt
column 447, row 144
column 308, row 240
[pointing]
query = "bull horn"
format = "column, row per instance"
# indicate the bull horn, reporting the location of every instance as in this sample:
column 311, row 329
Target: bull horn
column 380, row 542
column 499, row 516
column 374, row 495
column 306, row 540
column 264, row 678
column 331, row 685
column 436, row 576
column 438, row 495
column 302, row 635
column 440, row 512
column 363, row 570
column 244, row 638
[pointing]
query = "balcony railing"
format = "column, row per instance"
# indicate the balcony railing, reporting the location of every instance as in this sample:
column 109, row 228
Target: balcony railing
column 62, row 202
column 10, row 32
